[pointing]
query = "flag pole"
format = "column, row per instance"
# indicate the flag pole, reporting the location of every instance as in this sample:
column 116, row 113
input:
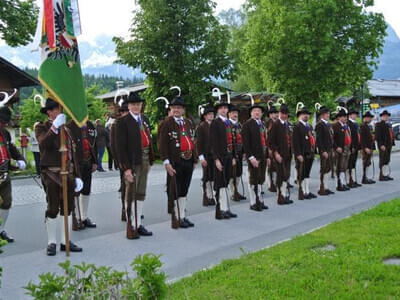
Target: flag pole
column 64, row 182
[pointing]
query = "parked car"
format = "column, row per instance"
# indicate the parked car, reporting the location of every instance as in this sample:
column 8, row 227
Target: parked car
column 396, row 131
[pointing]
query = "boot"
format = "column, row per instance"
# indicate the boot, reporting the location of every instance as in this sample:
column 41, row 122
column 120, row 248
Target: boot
column 131, row 234
column 218, row 213
column 205, row 200
column 281, row 199
column 123, row 215
column 322, row 191
column 174, row 221
column 75, row 226
column 272, row 188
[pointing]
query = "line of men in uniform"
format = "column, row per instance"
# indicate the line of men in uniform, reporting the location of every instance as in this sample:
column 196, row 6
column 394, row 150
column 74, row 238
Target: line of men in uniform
column 219, row 142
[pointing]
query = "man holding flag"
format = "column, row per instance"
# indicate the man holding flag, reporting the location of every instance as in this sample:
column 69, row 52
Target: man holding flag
column 61, row 75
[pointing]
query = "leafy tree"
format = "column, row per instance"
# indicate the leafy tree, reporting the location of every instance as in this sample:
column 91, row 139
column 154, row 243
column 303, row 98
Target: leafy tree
column 17, row 21
column 313, row 50
column 30, row 112
column 97, row 108
column 177, row 43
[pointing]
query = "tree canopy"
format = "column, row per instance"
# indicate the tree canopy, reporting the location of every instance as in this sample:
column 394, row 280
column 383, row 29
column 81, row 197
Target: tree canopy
column 311, row 50
column 177, row 43
column 17, row 21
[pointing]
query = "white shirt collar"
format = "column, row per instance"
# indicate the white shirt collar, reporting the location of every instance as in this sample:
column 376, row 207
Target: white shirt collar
column 178, row 119
column 341, row 123
column 222, row 118
column 325, row 121
column 302, row 122
column 283, row 122
column 135, row 116
column 354, row 121
column 233, row 121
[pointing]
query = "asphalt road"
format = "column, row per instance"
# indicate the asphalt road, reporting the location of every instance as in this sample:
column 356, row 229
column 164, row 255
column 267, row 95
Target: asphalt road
column 184, row 251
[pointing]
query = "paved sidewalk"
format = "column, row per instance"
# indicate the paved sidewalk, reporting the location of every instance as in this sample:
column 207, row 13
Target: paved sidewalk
column 186, row 250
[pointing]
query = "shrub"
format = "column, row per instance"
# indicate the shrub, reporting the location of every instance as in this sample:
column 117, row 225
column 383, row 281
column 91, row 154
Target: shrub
column 86, row 281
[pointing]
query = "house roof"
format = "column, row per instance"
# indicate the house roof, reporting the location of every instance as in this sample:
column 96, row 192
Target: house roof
column 140, row 87
column 18, row 77
column 384, row 88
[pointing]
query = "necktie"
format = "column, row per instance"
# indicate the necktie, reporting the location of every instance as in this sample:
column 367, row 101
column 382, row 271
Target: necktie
column 139, row 120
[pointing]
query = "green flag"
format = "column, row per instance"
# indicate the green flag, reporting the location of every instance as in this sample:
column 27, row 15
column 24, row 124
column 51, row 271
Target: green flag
column 60, row 70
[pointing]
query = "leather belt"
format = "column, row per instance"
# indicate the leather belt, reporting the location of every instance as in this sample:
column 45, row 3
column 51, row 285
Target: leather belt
column 186, row 155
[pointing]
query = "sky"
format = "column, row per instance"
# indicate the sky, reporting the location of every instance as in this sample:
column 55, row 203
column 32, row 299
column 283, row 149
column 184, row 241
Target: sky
column 100, row 18
column 114, row 20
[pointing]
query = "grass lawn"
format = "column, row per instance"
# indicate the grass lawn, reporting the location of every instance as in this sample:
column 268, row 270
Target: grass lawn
column 298, row 269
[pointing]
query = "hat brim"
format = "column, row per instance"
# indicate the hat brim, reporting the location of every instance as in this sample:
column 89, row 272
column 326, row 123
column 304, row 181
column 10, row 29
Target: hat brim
column 256, row 106
column 217, row 106
column 44, row 110
column 385, row 114
column 303, row 112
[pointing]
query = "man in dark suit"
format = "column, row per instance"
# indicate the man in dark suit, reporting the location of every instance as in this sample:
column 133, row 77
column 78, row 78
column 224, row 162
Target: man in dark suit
column 8, row 151
column 237, row 170
column 272, row 115
column 367, row 145
column 325, row 148
column 385, row 141
column 48, row 136
column 222, row 149
column 303, row 143
column 179, row 157
column 255, row 147
column 123, row 111
column 203, row 149
column 280, row 143
column 85, row 141
column 354, row 148
column 341, row 146
column 135, row 156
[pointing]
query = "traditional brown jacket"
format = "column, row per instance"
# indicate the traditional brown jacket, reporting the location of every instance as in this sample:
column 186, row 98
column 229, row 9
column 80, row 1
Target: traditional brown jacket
column 49, row 146
column 218, row 139
column 251, row 135
column 280, row 141
column 129, row 142
column 324, row 137
column 203, row 146
column 78, row 139
column 170, row 139
column 383, row 135
column 11, row 148
column 301, row 140
column 366, row 137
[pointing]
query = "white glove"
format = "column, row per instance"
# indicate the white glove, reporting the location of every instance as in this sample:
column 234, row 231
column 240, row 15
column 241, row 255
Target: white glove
column 21, row 164
column 78, row 185
column 59, row 121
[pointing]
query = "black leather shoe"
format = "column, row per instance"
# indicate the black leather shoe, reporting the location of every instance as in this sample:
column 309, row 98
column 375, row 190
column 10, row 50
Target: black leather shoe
column 231, row 214
column 341, row 189
column 4, row 236
column 226, row 215
column 289, row 185
column 143, row 231
column 306, row 197
column 288, row 201
column 329, row 192
column 346, row 187
column 241, row 197
column 51, row 249
column 72, row 247
column 262, row 192
column 389, row 178
column 312, row 196
column 255, row 207
column 142, row 217
column 190, row 224
column 357, row 184
column 183, row 224
column 263, row 206
column 89, row 224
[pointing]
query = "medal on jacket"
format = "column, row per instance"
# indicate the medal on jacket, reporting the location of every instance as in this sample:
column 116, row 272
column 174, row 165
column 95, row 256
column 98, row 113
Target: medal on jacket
column 177, row 145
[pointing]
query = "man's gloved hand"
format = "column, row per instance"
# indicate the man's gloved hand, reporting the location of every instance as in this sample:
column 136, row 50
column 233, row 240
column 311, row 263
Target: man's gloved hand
column 21, row 164
column 59, row 121
column 78, row 185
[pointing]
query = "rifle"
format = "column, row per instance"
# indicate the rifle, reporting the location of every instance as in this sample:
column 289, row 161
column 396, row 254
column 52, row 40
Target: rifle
column 300, row 178
column 131, row 190
column 171, row 202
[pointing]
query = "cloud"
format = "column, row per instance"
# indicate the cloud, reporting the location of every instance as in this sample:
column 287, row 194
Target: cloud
column 99, row 60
